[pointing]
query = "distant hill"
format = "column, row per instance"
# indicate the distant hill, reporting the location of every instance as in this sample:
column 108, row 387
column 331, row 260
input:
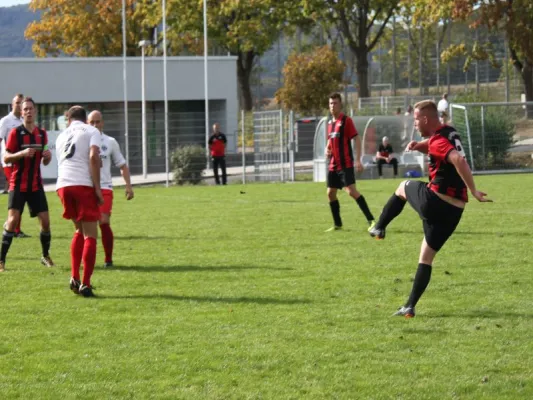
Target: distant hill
column 13, row 23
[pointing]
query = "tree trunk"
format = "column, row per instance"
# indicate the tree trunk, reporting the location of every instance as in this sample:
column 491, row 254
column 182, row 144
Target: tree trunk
column 362, row 72
column 245, row 62
column 527, row 77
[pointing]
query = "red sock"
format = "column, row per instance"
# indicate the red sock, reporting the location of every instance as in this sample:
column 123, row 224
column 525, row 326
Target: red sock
column 76, row 251
column 89, row 258
column 107, row 241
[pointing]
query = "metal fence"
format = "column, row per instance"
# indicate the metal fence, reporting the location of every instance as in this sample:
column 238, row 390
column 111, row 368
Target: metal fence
column 498, row 137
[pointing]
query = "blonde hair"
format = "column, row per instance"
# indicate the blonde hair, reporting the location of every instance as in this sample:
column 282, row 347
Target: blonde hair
column 428, row 105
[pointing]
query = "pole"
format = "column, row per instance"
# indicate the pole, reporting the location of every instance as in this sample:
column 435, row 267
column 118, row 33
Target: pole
column 143, row 94
column 206, row 91
column 394, row 55
column 437, row 59
column 165, row 89
column 448, row 68
column 125, row 80
column 243, row 140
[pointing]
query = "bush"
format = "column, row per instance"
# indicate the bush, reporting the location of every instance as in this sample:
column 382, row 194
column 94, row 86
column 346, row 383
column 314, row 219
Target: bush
column 188, row 164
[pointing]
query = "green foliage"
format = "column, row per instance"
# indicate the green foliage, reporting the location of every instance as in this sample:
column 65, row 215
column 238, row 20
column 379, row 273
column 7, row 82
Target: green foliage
column 188, row 164
column 492, row 137
column 235, row 292
column 309, row 79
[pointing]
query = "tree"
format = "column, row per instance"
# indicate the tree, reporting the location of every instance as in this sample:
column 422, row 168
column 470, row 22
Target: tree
column 514, row 17
column 309, row 78
column 87, row 28
column 246, row 29
column 361, row 23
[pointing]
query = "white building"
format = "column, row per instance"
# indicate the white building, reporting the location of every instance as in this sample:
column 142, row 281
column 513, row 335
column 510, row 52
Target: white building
column 97, row 83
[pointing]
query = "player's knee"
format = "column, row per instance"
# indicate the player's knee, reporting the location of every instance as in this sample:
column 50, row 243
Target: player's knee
column 104, row 219
column 332, row 195
column 12, row 222
column 400, row 191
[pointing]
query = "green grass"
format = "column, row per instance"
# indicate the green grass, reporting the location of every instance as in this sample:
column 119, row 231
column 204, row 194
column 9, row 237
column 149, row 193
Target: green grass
column 236, row 293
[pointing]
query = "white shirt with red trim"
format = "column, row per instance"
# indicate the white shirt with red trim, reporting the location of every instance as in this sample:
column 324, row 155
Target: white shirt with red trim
column 109, row 152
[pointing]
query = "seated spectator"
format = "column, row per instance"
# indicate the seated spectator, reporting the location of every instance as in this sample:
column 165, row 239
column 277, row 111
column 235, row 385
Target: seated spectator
column 385, row 156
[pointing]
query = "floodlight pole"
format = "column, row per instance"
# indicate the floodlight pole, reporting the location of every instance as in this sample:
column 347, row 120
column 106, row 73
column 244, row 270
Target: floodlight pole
column 143, row 44
column 125, row 82
column 165, row 89
column 206, row 89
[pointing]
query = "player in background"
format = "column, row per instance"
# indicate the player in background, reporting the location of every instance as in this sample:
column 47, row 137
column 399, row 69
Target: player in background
column 341, row 174
column 109, row 153
column 10, row 121
column 440, row 203
column 78, row 187
column 26, row 148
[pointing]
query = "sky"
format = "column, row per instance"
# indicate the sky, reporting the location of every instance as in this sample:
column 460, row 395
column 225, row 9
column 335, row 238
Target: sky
column 7, row 3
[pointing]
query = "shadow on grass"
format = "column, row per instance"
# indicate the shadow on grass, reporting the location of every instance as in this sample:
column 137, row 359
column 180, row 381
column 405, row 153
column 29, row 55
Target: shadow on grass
column 186, row 268
column 476, row 233
column 211, row 299
column 491, row 314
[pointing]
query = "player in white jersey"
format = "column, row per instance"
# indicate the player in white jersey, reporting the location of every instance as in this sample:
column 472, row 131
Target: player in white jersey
column 10, row 121
column 109, row 153
column 78, row 187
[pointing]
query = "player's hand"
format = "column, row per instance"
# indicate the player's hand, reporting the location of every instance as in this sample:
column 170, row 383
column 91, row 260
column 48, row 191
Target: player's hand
column 359, row 167
column 29, row 152
column 129, row 193
column 327, row 152
column 99, row 197
column 480, row 196
column 411, row 145
column 47, row 155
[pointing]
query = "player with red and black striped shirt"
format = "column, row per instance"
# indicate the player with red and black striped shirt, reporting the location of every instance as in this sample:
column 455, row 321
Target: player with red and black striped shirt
column 26, row 148
column 341, row 131
column 439, row 203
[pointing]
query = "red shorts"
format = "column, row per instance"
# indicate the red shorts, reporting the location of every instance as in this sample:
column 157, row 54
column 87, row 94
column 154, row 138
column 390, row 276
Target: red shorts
column 7, row 172
column 108, row 201
column 79, row 203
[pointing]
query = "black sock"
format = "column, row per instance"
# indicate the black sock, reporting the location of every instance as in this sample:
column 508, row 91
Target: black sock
column 392, row 209
column 46, row 238
column 7, row 238
column 336, row 212
column 361, row 202
column 422, row 277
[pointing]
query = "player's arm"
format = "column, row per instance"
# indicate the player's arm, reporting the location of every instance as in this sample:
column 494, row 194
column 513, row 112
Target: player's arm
column 95, row 164
column 422, row 146
column 120, row 162
column 47, row 154
column 125, row 172
column 13, row 154
column 464, row 171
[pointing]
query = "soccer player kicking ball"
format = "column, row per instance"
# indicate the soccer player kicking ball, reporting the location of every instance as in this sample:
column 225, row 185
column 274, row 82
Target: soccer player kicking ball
column 109, row 151
column 78, row 187
column 26, row 148
column 440, row 203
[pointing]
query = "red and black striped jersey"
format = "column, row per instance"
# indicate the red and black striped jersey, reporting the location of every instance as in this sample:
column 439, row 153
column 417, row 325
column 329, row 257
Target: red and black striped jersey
column 340, row 134
column 26, row 175
column 443, row 177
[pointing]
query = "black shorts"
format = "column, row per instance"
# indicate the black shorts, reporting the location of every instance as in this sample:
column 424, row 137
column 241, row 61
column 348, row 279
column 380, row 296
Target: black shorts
column 439, row 217
column 36, row 201
column 341, row 179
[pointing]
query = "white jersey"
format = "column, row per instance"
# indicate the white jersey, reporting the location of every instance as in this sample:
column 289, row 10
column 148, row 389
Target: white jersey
column 109, row 152
column 7, row 123
column 72, row 148
column 443, row 105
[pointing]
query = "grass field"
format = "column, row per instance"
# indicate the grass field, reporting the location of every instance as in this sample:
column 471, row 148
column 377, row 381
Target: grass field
column 237, row 293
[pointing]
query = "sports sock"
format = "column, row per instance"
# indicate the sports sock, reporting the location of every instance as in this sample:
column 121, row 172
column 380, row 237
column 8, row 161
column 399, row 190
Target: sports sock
column 336, row 212
column 76, row 251
column 361, row 202
column 422, row 278
column 7, row 238
column 107, row 241
column 46, row 238
column 392, row 209
column 89, row 258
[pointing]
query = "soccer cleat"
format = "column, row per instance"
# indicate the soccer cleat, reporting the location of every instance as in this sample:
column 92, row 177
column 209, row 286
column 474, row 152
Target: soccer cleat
column 334, row 228
column 379, row 234
column 2, row 266
column 21, row 235
column 86, row 291
column 407, row 312
column 47, row 262
column 75, row 285
column 108, row 264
